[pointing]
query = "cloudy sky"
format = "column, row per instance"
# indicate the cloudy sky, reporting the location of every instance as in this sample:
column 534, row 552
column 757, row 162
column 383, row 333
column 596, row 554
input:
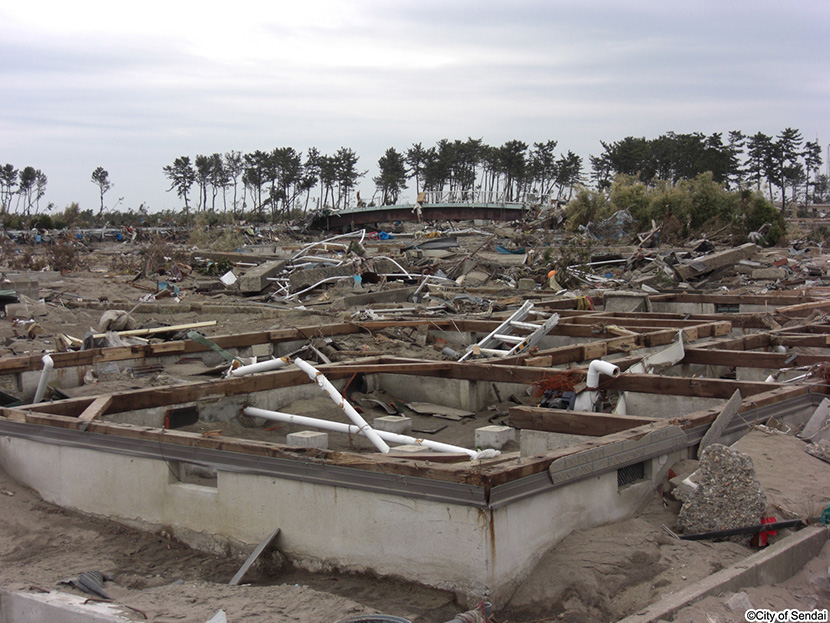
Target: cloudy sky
column 130, row 87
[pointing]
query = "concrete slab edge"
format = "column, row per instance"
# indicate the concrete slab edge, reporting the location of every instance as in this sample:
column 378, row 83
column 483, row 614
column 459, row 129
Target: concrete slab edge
column 56, row 607
column 777, row 563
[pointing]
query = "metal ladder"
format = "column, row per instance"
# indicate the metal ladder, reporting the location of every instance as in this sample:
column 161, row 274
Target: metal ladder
column 503, row 335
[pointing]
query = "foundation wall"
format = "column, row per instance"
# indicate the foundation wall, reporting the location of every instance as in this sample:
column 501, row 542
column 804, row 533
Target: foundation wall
column 477, row 552
column 666, row 405
column 322, row 526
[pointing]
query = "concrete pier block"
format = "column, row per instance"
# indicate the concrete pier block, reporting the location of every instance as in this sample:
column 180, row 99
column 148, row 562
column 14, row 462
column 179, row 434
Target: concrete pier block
column 308, row 439
column 409, row 449
column 494, row 436
column 393, row 424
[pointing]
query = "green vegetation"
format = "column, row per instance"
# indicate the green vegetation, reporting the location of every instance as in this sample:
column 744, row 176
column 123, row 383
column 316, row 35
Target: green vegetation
column 693, row 206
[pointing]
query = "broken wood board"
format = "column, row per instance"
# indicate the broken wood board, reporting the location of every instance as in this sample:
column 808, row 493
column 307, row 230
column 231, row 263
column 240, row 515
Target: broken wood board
column 721, row 422
column 252, row 558
column 95, row 410
column 155, row 330
column 440, row 411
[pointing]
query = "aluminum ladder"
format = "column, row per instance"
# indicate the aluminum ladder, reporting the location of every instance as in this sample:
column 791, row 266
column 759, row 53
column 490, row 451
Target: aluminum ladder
column 503, row 335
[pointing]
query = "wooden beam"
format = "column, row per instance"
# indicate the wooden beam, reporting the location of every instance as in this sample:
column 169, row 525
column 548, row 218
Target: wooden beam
column 684, row 386
column 574, row 422
column 156, row 330
column 803, row 309
column 733, row 299
column 96, row 409
column 749, row 359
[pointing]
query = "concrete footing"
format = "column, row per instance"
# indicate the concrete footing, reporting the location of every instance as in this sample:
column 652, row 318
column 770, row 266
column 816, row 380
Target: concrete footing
column 410, row 449
column 308, row 439
column 393, row 424
column 495, row 437
column 774, row 565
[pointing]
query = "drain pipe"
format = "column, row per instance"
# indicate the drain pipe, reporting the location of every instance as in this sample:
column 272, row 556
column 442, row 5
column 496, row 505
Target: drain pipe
column 262, row 366
column 48, row 364
column 339, row 427
column 597, row 367
column 586, row 400
column 363, row 426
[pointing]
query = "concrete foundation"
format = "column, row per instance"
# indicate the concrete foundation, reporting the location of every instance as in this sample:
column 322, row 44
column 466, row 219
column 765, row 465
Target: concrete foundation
column 536, row 442
column 56, row 607
column 480, row 552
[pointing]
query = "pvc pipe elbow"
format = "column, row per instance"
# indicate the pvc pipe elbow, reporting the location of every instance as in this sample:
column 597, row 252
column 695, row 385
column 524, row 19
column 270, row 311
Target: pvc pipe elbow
column 597, row 367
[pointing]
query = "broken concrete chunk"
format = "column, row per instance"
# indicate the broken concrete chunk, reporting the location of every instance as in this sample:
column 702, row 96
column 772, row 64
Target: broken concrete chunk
column 769, row 274
column 702, row 265
column 625, row 302
column 256, row 279
column 739, row 602
column 392, row 295
column 728, row 495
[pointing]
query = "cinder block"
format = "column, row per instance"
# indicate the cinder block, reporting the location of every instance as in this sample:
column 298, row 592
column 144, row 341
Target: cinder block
column 409, row 449
column 394, row 424
column 494, row 436
column 526, row 283
column 308, row 439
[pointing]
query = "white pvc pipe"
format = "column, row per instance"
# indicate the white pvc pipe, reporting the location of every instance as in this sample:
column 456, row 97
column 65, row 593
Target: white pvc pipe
column 339, row 427
column 361, row 232
column 262, row 366
column 364, row 428
column 48, row 364
column 597, row 367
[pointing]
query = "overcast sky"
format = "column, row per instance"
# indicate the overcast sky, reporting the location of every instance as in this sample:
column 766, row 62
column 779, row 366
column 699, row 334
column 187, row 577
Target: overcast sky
column 130, row 87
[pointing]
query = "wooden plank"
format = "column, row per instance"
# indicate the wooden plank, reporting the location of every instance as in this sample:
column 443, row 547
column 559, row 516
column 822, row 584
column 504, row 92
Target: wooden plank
column 252, row 558
column 95, row 410
column 156, row 330
column 732, row 299
column 574, row 422
column 721, row 422
column 684, row 386
column 803, row 309
column 807, row 341
column 749, row 359
column 375, row 462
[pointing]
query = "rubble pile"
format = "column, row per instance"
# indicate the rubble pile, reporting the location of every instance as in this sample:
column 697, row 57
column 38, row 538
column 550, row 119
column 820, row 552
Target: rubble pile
column 727, row 493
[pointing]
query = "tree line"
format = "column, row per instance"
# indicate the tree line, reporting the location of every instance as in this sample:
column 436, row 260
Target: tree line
column 785, row 162
column 282, row 182
column 27, row 186
column 285, row 180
